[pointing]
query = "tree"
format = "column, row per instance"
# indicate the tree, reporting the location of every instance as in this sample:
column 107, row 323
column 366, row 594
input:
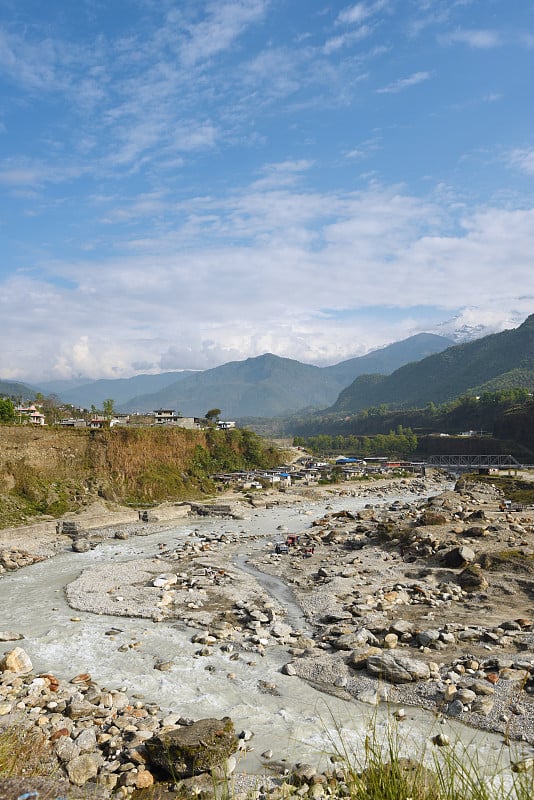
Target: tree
column 51, row 405
column 108, row 407
column 213, row 414
column 7, row 411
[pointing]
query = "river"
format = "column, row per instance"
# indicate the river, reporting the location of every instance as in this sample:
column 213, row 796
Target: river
column 295, row 721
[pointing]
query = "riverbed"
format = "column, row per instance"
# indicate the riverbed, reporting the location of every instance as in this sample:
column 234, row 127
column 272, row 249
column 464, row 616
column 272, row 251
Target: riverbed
column 285, row 715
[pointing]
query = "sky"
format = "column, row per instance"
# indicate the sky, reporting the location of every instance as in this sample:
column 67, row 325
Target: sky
column 185, row 183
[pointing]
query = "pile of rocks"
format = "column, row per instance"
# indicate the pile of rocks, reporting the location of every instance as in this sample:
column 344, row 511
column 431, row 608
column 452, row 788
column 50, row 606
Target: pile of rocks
column 12, row 558
column 103, row 737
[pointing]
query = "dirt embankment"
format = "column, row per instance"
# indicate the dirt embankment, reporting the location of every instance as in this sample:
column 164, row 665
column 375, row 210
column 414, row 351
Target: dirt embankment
column 51, row 471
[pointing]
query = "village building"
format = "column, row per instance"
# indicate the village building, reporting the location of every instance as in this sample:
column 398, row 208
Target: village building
column 31, row 415
column 225, row 425
column 73, row 422
column 168, row 417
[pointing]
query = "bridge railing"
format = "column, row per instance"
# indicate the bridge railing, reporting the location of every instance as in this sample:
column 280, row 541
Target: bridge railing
column 488, row 461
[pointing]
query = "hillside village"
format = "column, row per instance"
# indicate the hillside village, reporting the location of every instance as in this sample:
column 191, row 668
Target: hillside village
column 32, row 414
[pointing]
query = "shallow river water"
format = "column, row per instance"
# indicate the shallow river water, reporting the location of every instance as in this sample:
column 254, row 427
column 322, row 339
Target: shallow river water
column 298, row 723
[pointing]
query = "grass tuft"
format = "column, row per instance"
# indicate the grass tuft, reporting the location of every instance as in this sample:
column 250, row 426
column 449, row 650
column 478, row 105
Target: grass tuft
column 25, row 751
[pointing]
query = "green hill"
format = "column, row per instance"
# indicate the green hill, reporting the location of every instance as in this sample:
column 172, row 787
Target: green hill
column 270, row 386
column 14, row 389
column 496, row 361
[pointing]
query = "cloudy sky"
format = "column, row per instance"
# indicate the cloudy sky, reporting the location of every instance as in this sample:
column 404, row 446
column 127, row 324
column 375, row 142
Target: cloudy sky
column 189, row 182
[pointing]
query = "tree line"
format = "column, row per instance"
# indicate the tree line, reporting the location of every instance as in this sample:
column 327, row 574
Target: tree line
column 400, row 443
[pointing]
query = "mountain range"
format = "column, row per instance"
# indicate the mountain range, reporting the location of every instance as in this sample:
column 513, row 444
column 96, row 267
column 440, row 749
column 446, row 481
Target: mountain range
column 499, row 361
column 271, row 386
column 419, row 370
column 264, row 386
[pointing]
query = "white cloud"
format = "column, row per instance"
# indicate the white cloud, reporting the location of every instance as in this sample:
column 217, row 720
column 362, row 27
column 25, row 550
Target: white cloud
column 346, row 39
column 523, row 159
column 257, row 271
column 24, row 172
column 356, row 14
column 478, row 39
column 404, row 83
column 225, row 22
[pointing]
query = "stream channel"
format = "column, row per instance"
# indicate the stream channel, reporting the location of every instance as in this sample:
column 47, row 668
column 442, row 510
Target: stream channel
column 298, row 723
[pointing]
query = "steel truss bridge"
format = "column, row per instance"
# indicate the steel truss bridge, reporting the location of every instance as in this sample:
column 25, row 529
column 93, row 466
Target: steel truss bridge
column 476, row 462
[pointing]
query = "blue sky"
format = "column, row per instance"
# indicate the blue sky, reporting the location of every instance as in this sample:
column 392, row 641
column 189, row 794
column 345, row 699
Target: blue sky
column 187, row 182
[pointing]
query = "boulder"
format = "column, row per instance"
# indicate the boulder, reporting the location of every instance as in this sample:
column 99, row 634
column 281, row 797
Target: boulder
column 10, row 636
column 476, row 531
column 459, row 557
column 397, row 668
column 193, row 749
column 16, row 660
column 81, row 546
column 351, row 641
column 472, row 579
column 358, row 658
column 427, row 637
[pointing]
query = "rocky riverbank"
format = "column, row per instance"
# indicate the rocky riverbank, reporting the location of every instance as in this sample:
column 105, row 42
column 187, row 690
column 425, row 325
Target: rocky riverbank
column 421, row 603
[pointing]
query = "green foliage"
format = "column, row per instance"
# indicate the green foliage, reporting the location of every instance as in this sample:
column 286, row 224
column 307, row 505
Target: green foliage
column 507, row 414
column 33, row 493
column 501, row 361
column 515, row 489
column 108, row 407
column 138, row 465
column 7, row 411
column 159, row 482
column 400, row 443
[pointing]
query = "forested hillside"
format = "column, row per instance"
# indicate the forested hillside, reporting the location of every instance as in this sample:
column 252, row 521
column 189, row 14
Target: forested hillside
column 500, row 361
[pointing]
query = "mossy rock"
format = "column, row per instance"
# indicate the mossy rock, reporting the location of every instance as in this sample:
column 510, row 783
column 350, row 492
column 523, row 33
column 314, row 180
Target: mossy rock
column 430, row 517
column 387, row 531
column 472, row 579
column 193, row 749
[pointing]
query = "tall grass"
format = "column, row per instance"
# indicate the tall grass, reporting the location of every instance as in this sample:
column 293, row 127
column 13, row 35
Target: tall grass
column 436, row 773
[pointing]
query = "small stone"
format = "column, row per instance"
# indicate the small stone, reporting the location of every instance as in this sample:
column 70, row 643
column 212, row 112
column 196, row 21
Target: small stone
column 144, row 779
column 441, row 740
column 9, row 636
column 288, row 669
column 456, row 708
column 523, row 766
column 482, row 705
column 163, row 666
column 82, row 769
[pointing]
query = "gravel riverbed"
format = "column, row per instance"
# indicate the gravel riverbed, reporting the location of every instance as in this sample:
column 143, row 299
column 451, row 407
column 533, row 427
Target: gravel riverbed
column 421, row 602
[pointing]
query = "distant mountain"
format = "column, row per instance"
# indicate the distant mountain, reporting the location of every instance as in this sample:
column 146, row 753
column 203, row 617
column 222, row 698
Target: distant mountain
column 120, row 389
column 60, row 386
column 460, row 330
column 261, row 386
column 16, row 389
column 270, row 386
column 390, row 358
column 265, row 386
column 501, row 360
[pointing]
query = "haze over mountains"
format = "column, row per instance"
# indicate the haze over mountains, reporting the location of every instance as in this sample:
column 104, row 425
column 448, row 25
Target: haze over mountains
column 270, row 386
column 499, row 361
column 412, row 373
column 265, row 386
